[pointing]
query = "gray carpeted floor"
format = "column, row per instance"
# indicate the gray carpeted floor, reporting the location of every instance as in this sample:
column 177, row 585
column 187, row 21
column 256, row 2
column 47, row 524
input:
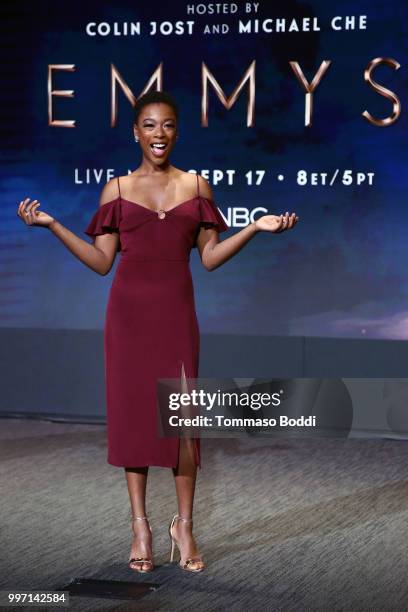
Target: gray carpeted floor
column 283, row 524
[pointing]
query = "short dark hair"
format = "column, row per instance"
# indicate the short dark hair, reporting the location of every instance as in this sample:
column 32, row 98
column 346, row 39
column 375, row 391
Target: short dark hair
column 154, row 97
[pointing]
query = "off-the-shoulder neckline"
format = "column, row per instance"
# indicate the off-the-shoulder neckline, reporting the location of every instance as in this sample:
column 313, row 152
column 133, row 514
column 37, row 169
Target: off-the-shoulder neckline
column 155, row 212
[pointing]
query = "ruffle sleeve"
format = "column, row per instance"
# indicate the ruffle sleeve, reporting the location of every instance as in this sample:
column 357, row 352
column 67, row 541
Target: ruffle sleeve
column 105, row 221
column 211, row 216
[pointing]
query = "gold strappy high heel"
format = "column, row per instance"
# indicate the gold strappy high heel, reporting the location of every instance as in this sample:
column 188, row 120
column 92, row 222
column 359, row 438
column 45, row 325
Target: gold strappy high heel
column 184, row 564
column 141, row 560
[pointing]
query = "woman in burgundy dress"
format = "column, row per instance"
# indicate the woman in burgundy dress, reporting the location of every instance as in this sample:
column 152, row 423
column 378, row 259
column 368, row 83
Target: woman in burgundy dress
column 153, row 217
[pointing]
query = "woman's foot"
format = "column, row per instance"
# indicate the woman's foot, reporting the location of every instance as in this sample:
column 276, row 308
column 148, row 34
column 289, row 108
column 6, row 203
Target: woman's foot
column 182, row 531
column 140, row 558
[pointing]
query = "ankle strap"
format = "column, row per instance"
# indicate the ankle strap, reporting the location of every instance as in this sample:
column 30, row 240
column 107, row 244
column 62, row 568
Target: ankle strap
column 185, row 520
column 139, row 518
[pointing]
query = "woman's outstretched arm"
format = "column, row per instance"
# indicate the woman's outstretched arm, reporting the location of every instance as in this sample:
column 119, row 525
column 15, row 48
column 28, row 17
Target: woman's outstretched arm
column 214, row 253
column 98, row 256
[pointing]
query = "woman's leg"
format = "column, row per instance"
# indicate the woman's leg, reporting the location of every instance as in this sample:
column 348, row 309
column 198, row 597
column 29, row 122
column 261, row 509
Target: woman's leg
column 142, row 538
column 185, row 479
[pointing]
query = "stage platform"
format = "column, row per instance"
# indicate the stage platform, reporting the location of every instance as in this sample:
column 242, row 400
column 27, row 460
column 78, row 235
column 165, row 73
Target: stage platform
column 283, row 524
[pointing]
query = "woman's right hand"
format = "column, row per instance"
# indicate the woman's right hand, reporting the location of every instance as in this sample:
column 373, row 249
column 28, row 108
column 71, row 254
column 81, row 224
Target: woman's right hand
column 98, row 256
column 27, row 211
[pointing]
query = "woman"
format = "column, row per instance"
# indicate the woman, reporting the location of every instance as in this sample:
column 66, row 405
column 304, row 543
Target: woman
column 154, row 217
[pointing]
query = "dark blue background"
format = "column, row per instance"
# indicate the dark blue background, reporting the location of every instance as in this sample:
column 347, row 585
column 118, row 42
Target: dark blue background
column 342, row 271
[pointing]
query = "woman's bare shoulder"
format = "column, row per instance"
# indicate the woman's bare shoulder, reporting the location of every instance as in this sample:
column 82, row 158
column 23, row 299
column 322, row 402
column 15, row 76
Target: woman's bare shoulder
column 205, row 188
column 109, row 192
column 189, row 179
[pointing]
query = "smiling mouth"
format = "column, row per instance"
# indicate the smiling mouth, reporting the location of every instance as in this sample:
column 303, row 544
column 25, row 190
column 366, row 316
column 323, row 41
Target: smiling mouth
column 158, row 149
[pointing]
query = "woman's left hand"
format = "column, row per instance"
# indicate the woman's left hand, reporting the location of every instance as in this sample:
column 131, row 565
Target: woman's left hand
column 276, row 223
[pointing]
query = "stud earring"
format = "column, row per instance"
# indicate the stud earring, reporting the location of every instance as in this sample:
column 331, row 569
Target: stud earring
column 136, row 139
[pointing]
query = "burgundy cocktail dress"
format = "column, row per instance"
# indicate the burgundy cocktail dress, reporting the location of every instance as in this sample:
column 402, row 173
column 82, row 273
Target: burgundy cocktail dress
column 151, row 327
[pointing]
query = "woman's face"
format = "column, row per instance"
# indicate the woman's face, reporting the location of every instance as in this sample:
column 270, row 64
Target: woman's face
column 156, row 126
